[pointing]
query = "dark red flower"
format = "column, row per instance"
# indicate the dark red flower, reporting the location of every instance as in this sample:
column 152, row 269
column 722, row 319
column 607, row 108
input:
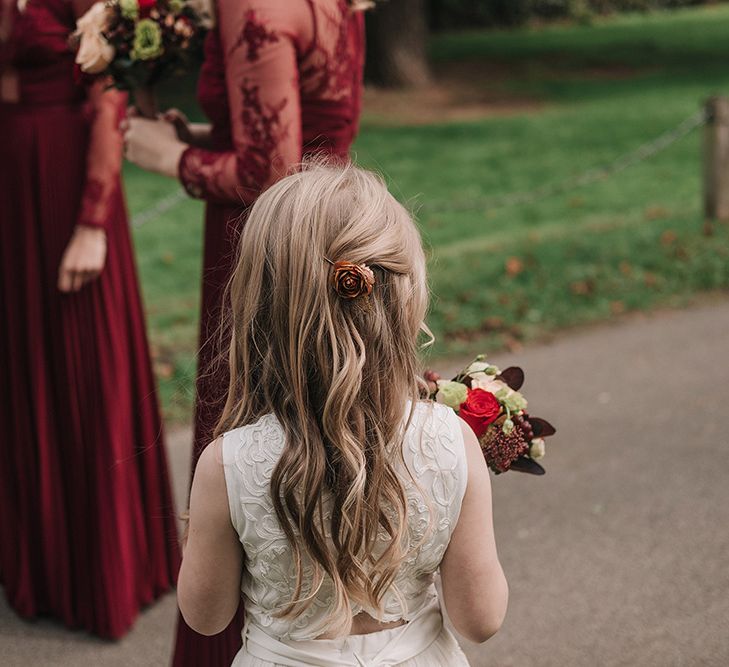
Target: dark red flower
column 146, row 6
column 431, row 376
column 479, row 410
column 501, row 449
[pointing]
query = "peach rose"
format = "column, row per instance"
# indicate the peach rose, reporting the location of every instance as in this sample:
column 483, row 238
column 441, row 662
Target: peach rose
column 487, row 383
column 94, row 52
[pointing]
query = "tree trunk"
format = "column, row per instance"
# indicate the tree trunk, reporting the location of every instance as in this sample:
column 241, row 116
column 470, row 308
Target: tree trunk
column 396, row 44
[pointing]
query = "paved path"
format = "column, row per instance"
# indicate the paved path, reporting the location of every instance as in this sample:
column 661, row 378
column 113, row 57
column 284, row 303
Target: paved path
column 618, row 556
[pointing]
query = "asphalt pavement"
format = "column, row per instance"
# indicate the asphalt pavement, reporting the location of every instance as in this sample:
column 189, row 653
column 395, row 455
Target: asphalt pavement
column 618, row 556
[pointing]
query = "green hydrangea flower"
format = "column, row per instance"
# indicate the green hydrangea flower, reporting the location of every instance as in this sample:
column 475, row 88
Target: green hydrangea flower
column 477, row 367
column 147, row 41
column 129, row 9
column 451, row 393
column 176, row 6
column 516, row 402
column 511, row 400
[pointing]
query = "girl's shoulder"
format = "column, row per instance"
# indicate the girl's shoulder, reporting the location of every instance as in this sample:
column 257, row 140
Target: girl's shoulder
column 435, row 455
column 253, row 445
column 435, row 435
column 435, row 418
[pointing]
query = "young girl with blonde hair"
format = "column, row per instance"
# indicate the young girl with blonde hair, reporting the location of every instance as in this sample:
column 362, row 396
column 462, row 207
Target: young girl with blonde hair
column 334, row 493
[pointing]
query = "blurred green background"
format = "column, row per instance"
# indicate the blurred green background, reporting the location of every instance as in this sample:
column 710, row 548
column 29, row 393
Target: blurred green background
column 508, row 111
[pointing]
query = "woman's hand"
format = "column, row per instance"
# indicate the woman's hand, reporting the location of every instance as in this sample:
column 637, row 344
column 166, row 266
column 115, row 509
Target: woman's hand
column 195, row 134
column 152, row 145
column 84, row 258
column 179, row 121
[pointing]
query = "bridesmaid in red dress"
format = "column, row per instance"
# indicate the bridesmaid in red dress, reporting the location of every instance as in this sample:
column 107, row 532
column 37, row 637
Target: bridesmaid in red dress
column 87, row 528
column 281, row 79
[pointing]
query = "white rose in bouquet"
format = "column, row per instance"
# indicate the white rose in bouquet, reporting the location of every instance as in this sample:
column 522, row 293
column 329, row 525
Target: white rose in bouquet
column 537, row 449
column 94, row 53
column 477, row 367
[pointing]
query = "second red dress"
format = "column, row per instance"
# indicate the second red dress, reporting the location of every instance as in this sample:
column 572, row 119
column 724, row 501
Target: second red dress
column 87, row 528
column 281, row 79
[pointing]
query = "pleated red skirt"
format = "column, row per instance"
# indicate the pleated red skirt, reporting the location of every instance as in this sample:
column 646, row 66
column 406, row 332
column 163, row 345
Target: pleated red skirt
column 87, row 527
column 223, row 225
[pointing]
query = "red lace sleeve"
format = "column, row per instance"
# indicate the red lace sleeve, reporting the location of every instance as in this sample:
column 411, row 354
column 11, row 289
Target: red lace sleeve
column 105, row 109
column 104, row 154
column 260, row 41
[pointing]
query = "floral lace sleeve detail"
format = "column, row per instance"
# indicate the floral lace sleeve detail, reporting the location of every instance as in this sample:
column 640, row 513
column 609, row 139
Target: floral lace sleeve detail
column 265, row 114
column 105, row 109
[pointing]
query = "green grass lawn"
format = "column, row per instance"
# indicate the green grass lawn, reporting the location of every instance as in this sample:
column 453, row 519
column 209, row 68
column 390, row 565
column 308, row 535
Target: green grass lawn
column 506, row 274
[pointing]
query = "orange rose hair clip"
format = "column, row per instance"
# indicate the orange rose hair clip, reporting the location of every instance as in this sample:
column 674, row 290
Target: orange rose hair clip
column 351, row 280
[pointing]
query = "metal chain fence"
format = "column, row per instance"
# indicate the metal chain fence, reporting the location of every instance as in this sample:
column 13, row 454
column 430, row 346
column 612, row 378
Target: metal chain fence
column 591, row 175
column 160, row 207
column 490, row 203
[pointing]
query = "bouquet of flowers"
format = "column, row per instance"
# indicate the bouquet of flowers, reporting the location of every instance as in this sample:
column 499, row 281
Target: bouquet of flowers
column 139, row 42
column 489, row 401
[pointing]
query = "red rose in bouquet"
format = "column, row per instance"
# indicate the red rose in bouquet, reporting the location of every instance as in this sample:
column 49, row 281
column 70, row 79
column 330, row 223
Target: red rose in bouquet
column 479, row 410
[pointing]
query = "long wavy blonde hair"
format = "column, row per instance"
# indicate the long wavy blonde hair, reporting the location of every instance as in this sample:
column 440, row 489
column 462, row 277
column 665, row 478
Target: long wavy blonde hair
column 337, row 374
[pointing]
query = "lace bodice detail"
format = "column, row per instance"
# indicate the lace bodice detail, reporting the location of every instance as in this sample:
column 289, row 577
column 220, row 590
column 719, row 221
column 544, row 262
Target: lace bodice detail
column 280, row 78
column 434, row 454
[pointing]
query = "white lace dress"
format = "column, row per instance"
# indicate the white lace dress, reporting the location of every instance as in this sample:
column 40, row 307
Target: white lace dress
column 434, row 454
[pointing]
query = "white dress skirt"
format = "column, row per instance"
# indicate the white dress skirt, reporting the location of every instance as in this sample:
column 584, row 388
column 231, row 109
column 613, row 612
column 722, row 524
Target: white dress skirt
column 423, row 642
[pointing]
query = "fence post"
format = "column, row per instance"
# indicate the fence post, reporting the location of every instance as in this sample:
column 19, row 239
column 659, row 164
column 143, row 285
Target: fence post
column 716, row 159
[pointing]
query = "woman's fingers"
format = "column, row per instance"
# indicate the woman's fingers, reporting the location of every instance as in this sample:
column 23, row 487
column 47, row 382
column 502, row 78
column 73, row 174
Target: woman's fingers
column 175, row 116
column 153, row 145
column 90, row 276
column 64, row 280
column 131, row 131
column 135, row 132
column 77, row 281
column 70, row 280
column 84, row 259
column 179, row 121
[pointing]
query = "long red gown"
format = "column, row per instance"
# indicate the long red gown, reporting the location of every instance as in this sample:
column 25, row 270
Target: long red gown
column 281, row 79
column 87, row 528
